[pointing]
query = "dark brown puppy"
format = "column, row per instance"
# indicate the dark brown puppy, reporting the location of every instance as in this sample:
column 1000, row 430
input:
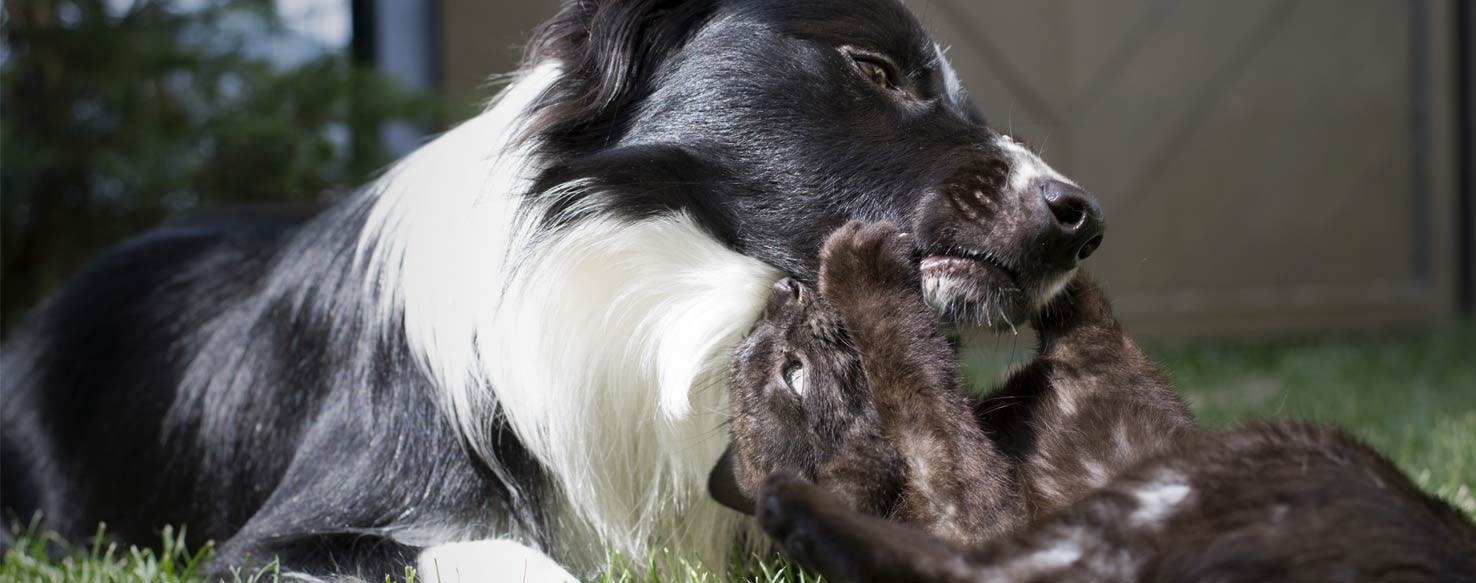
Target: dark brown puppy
column 1095, row 440
column 1062, row 426
column 859, row 391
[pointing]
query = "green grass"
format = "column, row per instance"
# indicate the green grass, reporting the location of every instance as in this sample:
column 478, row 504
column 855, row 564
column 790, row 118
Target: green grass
column 39, row 556
column 1412, row 396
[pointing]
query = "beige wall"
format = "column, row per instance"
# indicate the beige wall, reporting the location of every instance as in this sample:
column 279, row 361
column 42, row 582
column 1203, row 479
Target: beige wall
column 481, row 38
column 1266, row 166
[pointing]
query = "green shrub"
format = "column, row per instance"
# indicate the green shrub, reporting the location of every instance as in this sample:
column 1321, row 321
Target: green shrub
column 110, row 121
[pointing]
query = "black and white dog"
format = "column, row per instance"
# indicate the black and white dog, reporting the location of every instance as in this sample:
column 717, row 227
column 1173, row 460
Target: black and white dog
column 515, row 341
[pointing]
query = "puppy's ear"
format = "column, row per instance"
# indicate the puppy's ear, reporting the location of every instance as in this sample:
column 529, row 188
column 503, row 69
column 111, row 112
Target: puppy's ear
column 722, row 484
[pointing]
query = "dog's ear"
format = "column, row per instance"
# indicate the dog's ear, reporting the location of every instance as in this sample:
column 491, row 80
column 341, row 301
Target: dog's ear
column 606, row 48
column 722, row 484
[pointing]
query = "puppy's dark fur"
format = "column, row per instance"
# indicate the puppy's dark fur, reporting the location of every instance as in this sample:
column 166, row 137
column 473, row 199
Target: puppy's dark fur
column 886, row 424
column 1114, row 479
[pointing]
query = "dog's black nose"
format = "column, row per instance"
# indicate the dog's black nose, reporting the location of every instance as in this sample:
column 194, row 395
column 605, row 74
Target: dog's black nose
column 1076, row 226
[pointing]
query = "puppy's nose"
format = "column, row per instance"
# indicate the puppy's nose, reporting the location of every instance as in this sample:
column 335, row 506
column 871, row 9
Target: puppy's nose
column 1076, row 223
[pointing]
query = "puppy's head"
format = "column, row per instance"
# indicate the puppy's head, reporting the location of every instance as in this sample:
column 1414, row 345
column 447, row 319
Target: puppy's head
column 796, row 386
column 773, row 122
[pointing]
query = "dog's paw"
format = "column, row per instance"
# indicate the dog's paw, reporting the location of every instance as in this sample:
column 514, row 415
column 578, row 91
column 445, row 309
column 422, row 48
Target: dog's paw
column 862, row 259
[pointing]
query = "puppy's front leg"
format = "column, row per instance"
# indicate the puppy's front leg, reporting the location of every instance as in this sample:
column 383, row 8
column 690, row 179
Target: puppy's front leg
column 820, row 533
column 1090, row 405
column 957, row 483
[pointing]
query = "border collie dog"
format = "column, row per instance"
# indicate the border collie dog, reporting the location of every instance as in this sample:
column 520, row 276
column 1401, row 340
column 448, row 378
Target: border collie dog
column 515, row 342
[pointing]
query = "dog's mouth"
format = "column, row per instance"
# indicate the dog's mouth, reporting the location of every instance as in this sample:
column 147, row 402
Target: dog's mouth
column 968, row 263
column 979, row 287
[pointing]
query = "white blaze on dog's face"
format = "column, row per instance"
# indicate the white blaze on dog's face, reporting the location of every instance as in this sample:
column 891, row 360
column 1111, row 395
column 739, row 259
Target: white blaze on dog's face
column 993, row 285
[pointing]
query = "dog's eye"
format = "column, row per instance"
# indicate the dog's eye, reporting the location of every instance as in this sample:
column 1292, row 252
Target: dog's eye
column 875, row 72
column 794, row 377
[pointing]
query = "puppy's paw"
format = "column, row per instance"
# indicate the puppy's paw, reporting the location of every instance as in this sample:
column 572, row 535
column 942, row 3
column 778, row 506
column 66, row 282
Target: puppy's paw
column 786, row 510
column 1082, row 303
column 864, row 259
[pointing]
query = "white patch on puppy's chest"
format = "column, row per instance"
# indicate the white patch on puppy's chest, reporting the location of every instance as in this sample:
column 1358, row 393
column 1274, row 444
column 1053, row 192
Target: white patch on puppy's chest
column 1158, row 499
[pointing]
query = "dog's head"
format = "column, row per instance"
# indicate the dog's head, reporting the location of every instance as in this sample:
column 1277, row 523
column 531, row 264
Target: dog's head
column 774, row 121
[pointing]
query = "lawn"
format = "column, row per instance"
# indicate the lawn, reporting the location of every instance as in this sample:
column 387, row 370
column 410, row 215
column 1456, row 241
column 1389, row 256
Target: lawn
column 1411, row 395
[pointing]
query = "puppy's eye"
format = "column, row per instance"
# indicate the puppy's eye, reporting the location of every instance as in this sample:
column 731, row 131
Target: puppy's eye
column 874, row 71
column 794, row 377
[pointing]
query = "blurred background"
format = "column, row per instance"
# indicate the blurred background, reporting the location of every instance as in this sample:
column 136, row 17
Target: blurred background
column 1268, row 167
